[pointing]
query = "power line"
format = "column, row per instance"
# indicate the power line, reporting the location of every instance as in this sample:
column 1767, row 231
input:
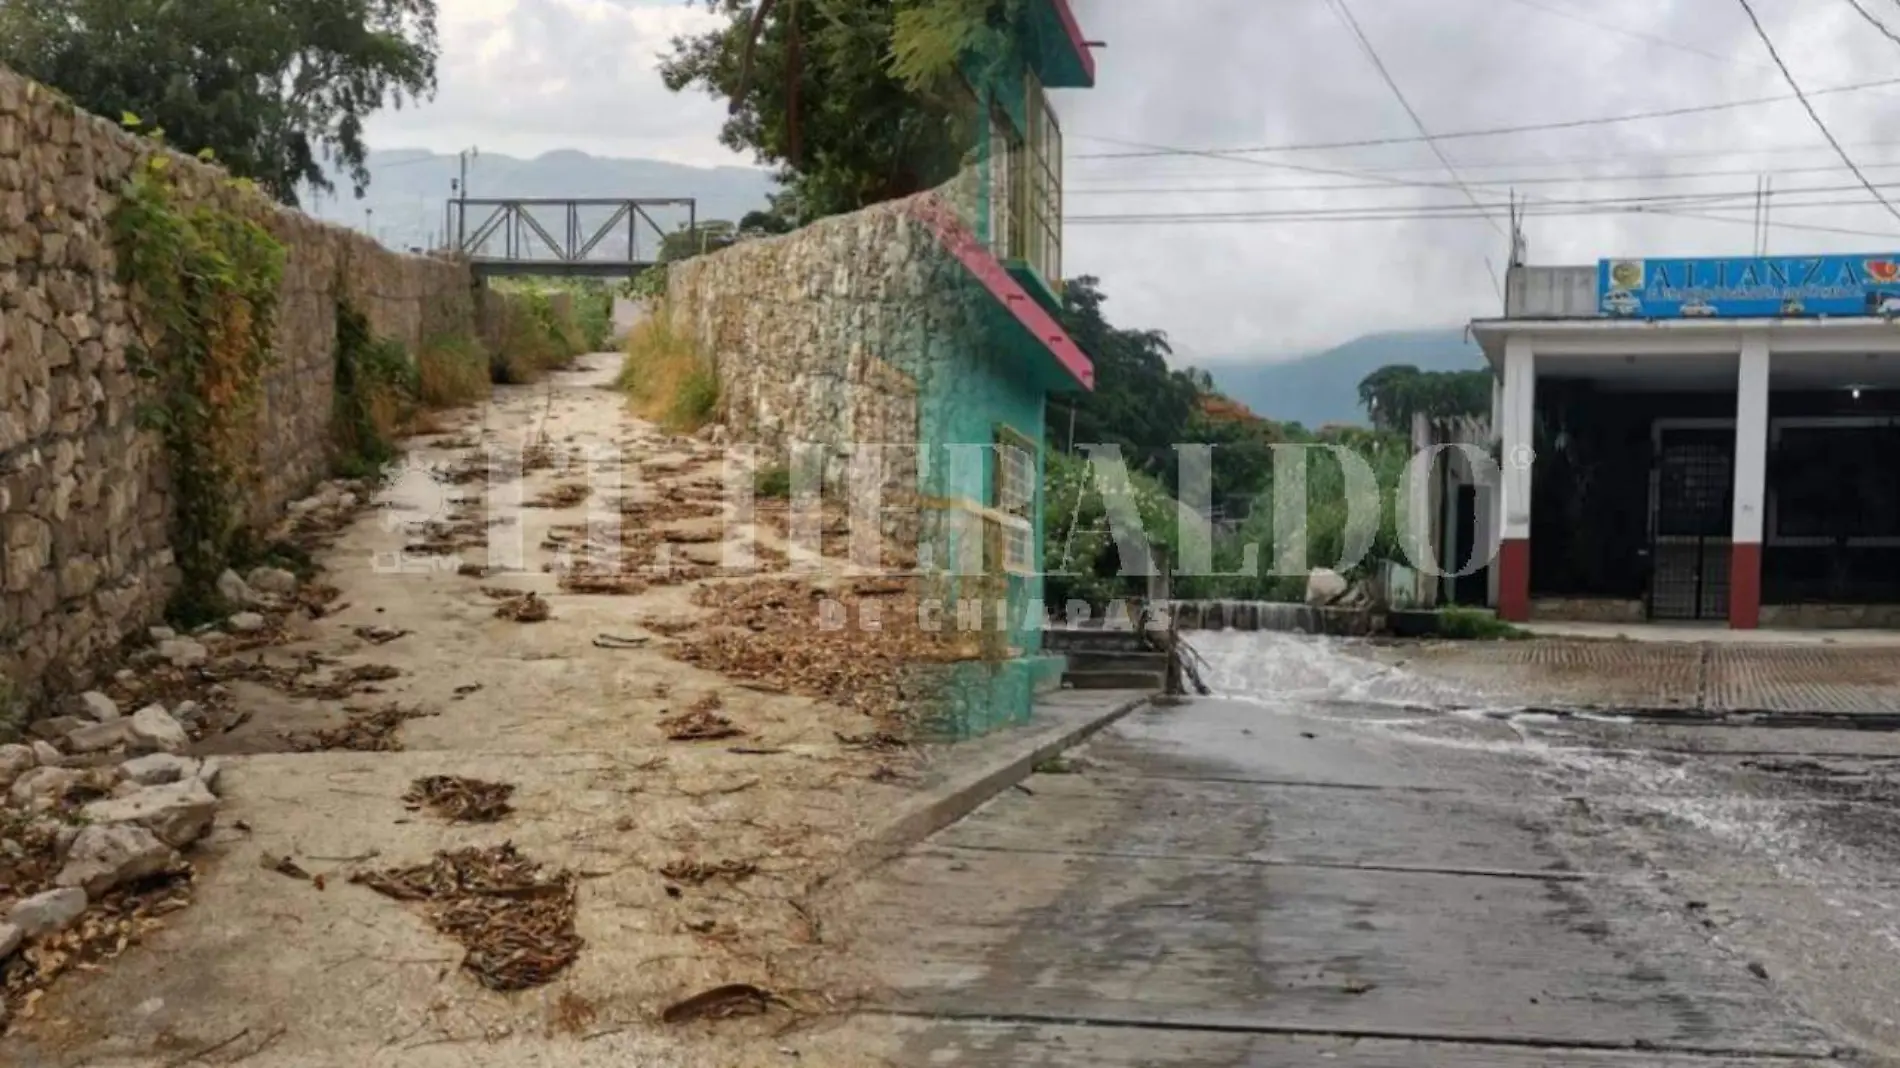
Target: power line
column 1638, row 34
column 1500, row 131
column 1561, row 179
column 1344, row 12
column 1809, row 107
column 1872, row 20
column 1518, row 162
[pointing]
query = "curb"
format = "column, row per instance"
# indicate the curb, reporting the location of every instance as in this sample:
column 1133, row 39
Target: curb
column 944, row 806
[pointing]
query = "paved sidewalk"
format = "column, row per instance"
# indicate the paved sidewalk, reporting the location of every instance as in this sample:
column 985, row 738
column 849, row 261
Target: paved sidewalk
column 1786, row 679
column 1229, row 884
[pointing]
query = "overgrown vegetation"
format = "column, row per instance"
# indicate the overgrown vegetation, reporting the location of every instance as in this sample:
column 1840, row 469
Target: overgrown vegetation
column 1471, row 624
column 854, row 101
column 205, row 284
column 452, row 370
column 774, row 481
column 279, row 91
column 665, row 376
column 376, row 394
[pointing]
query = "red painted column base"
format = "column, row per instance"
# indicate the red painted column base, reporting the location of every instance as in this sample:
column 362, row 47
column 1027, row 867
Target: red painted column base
column 1514, row 580
column 1744, row 586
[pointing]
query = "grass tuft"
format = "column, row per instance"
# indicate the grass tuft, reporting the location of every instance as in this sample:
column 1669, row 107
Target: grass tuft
column 666, row 378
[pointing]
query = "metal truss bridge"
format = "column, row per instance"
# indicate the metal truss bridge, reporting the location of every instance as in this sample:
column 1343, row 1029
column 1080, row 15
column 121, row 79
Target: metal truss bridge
column 574, row 237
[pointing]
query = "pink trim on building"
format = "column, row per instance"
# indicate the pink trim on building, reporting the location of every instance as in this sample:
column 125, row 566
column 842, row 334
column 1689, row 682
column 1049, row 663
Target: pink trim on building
column 1074, row 28
column 960, row 242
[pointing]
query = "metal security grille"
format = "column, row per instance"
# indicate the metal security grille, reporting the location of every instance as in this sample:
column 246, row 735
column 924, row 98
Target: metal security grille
column 1695, row 481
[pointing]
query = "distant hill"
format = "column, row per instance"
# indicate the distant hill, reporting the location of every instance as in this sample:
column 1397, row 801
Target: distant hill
column 1324, row 387
column 409, row 188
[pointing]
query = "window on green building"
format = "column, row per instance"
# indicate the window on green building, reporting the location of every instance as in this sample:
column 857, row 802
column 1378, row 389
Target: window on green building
column 1039, row 187
column 1014, row 499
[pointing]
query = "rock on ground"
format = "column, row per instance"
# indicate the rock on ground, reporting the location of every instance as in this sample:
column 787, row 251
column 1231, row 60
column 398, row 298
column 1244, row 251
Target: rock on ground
column 98, row 737
column 109, row 855
column 10, row 939
column 98, row 706
column 1324, row 586
column 45, row 753
column 15, row 761
column 54, row 910
column 246, row 623
column 179, row 813
column 159, row 769
column 273, row 580
column 153, row 729
column 235, row 590
column 183, row 652
column 44, row 786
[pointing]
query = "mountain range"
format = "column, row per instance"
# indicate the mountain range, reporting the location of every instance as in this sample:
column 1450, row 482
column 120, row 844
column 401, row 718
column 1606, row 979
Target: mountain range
column 409, row 188
column 1323, row 387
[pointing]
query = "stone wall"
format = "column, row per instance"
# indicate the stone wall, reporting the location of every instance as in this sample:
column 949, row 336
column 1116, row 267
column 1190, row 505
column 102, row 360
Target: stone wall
column 84, row 493
column 819, row 335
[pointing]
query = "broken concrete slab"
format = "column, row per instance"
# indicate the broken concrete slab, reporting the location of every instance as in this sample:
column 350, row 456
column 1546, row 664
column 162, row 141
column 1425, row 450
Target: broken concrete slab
column 46, row 913
column 179, row 813
column 109, row 855
column 159, row 769
column 152, row 729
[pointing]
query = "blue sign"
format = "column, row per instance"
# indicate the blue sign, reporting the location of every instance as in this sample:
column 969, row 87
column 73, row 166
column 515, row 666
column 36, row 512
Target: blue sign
column 1774, row 286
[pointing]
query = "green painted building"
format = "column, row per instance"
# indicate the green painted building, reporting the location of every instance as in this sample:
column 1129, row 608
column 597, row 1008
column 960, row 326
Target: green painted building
column 983, row 404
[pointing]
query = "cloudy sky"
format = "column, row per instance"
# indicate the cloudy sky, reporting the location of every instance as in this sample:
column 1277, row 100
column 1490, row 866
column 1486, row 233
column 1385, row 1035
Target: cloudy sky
column 1215, row 76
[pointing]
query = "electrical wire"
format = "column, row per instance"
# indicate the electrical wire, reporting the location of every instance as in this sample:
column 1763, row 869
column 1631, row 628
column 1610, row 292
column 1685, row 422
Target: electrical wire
column 1874, row 21
column 1564, row 179
column 1344, row 11
column 1768, row 43
column 1501, row 131
column 1637, row 34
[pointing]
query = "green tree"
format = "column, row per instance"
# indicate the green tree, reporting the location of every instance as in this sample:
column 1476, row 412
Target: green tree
column 1392, row 395
column 274, row 88
column 1139, row 402
column 854, row 101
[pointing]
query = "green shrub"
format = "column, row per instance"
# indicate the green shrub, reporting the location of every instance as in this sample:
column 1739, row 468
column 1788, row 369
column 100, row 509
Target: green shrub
column 1471, row 624
column 452, row 370
column 376, row 392
column 773, row 481
column 666, row 378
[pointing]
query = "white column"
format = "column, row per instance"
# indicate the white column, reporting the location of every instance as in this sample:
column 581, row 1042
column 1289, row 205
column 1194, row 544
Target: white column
column 1751, row 483
column 1490, row 518
column 1751, row 440
column 1518, row 402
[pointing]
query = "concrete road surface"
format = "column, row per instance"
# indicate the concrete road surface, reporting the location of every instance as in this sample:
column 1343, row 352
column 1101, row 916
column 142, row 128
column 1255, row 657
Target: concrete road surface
column 1300, row 879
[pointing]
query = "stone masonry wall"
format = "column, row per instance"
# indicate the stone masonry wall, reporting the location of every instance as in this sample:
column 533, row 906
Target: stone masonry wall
column 84, row 494
column 831, row 333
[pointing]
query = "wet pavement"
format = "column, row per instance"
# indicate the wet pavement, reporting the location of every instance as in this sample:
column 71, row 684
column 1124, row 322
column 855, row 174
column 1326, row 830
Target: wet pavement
column 1343, row 863
column 1811, row 679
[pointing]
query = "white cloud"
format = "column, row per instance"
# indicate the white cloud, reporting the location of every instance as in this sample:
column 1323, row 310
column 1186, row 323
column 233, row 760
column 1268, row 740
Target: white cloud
column 528, row 76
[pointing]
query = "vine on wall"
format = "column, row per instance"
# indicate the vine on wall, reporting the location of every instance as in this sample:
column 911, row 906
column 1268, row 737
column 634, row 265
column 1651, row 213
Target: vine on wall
column 376, row 393
column 204, row 281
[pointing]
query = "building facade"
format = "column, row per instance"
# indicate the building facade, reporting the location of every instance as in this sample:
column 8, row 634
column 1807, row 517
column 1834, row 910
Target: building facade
column 1710, row 440
column 1008, row 237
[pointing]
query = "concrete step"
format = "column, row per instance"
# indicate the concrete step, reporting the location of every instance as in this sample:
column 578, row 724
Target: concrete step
column 1115, row 680
column 1116, row 660
column 1093, row 641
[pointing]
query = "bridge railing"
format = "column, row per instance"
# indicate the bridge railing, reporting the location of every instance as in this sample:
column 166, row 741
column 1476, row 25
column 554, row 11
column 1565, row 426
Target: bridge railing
column 605, row 236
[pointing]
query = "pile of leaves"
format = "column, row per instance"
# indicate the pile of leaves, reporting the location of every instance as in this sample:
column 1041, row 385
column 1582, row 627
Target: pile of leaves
column 565, row 495
column 465, row 800
column 372, row 731
column 701, row 722
column 111, row 926
column 770, row 632
column 527, row 607
column 514, row 919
